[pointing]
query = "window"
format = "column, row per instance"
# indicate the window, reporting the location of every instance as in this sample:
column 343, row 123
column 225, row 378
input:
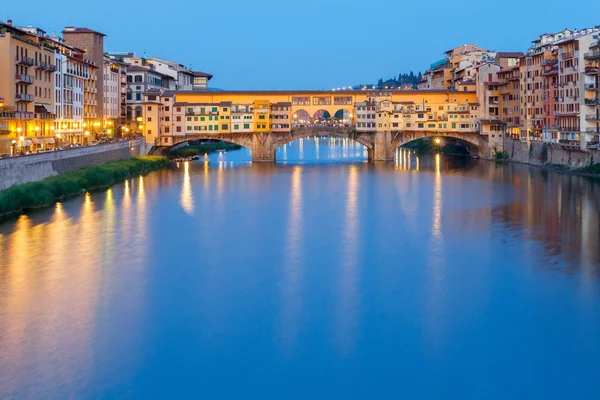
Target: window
column 149, row 108
column 261, row 117
column 178, row 129
column 216, row 127
column 214, row 109
column 224, row 109
column 138, row 96
column 236, row 126
column 202, row 118
column 149, row 119
column 246, row 126
column 224, row 127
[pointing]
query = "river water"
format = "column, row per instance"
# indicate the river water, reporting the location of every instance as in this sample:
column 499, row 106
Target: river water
column 321, row 276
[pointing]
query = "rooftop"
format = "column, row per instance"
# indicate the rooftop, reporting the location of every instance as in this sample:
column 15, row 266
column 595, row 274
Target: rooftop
column 72, row 29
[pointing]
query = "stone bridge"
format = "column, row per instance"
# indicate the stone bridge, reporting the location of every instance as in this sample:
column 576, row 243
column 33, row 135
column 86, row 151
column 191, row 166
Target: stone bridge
column 380, row 145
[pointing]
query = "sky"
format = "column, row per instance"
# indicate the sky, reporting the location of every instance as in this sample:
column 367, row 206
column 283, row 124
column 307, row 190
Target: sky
column 313, row 44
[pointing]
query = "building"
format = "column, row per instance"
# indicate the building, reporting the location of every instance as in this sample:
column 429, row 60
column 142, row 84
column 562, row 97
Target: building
column 115, row 92
column 92, row 44
column 171, row 117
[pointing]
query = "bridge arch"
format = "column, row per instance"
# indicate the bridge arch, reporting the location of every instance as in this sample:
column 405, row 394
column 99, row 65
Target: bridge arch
column 474, row 142
column 244, row 140
column 296, row 134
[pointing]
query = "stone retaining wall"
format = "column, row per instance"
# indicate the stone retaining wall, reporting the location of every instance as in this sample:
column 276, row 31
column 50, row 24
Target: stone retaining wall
column 540, row 153
column 35, row 167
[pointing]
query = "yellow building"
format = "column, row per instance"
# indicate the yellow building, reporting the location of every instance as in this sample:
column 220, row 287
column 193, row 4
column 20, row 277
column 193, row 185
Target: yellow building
column 224, row 117
column 262, row 115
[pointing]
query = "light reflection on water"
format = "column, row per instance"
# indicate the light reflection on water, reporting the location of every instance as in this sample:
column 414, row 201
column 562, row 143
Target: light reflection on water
column 429, row 267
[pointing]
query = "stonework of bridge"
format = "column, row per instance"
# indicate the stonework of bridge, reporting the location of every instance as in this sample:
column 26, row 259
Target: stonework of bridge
column 380, row 145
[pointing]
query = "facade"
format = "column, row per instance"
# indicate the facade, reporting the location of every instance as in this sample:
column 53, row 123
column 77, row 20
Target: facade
column 45, row 90
column 115, row 78
column 559, row 93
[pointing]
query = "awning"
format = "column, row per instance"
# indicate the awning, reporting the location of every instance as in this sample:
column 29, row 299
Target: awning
column 49, row 140
column 24, row 143
column 37, row 140
column 46, row 107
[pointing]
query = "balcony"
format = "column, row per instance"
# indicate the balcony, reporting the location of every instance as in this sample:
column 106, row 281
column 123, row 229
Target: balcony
column 591, row 86
column 90, row 115
column 90, row 89
column 22, row 78
column 24, row 97
column 25, row 61
column 592, row 102
column 15, row 115
column 592, row 117
column 566, row 55
column 592, row 55
column 90, row 102
column 592, row 130
column 549, row 61
column 46, row 66
column 589, row 70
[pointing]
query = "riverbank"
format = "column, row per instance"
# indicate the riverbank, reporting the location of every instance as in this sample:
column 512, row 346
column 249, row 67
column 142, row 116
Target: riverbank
column 47, row 192
column 201, row 149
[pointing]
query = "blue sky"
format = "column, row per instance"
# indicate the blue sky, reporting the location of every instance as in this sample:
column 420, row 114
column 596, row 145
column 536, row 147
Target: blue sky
column 315, row 44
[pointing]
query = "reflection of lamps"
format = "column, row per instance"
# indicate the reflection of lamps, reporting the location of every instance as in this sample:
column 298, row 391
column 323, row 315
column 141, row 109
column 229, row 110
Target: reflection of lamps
column 37, row 128
column 19, row 129
column 58, row 135
column 51, row 127
column 87, row 133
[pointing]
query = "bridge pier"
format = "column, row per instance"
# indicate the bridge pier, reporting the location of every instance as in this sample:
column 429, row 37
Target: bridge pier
column 263, row 147
column 383, row 150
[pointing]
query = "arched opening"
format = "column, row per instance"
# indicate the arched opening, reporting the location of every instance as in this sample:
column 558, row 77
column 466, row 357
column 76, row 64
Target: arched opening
column 343, row 117
column 301, row 118
column 322, row 118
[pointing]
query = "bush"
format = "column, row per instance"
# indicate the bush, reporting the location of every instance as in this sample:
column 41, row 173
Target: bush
column 46, row 192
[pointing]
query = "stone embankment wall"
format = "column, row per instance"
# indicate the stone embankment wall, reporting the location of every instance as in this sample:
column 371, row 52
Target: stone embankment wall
column 539, row 153
column 35, row 167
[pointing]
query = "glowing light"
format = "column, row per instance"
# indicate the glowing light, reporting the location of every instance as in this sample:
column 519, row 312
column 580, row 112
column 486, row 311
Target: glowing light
column 438, row 140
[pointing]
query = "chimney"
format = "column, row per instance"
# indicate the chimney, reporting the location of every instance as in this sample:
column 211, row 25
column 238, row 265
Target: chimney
column 9, row 22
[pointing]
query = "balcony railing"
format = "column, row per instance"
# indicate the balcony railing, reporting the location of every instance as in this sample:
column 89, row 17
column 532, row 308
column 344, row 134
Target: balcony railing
column 16, row 115
column 25, row 61
column 24, row 97
column 591, row 86
column 592, row 55
column 549, row 61
column 592, row 102
column 591, row 70
column 22, row 78
column 566, row 55
column 591, row 117
column 45, row 116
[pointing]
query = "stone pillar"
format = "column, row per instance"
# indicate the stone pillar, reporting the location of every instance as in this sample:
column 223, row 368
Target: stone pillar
column 383, row 147
column 263, row 147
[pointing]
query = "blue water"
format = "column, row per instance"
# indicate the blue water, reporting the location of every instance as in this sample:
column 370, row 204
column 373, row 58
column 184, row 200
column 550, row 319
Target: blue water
column 321, row 276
